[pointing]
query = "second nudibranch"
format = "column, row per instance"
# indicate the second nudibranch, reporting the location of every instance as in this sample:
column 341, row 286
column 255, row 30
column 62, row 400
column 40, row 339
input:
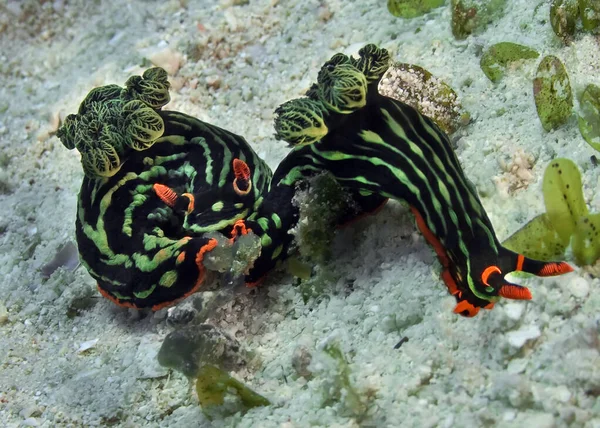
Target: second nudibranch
column 375, row 145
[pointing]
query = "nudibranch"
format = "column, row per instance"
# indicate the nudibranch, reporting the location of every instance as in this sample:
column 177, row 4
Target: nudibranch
column 156, row 182
column 380, row 148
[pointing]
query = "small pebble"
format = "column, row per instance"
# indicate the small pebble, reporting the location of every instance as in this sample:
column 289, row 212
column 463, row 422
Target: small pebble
column 519, row 337
column 89, row 344
column 579, row 287
column 3, row 313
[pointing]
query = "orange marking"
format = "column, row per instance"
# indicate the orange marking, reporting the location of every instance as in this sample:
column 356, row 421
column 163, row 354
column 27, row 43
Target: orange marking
column 166, row 194
column 240, row 191
column 241, row 170
column 363, row 215
column 212, row 243
column 515, row 292
column 190, row 207
column 489, row 306
column 487, row 272
column 520, row 261
column 555, row 268
column 239, row 228
column 430, row 237
column 257, row 282
column 180, row 257
column 449, row 281
column 464, row 306
column 115, row 300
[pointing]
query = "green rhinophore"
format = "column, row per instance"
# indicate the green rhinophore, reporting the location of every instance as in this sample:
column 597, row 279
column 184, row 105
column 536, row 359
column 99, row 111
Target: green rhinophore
column 589, row 115
column 552, row 93
column 498, row 57
column 412, row 8
column 563, row 196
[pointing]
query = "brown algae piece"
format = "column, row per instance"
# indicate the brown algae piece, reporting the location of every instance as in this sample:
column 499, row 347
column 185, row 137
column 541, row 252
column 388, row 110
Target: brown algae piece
column 498, row 57
column 417, row 87
column 552, row 93
column 563, row 196
column 586, row 240
column 589, row 117
column 213, row 384
column 538, row 239
column 412, row 8
column 563, row 17
column 590, row 15
column 472, row 16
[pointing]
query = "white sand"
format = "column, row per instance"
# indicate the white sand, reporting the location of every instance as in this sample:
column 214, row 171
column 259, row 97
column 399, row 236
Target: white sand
column 533, row 364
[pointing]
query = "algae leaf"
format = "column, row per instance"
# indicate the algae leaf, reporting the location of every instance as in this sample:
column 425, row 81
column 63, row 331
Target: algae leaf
column 552, row 93
column 412, row 8
column 495, row 60
column 589, row 118
column 212, row 384
column 563, row 196
column 538, row 239
column 586, row 240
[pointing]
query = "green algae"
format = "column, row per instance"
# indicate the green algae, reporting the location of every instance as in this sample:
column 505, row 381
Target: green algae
column 590, row 15
column 563, row 17
column 563, row 196
column 498, row 57
column 552, row 93
column 565, row 222
column 538, row 240
column 472, row 16
column 586, row 240
column 589, row 115
column 212, row 384
column 412, row 8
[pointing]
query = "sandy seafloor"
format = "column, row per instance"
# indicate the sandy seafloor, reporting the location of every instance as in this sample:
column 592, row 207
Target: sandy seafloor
column 534, row 364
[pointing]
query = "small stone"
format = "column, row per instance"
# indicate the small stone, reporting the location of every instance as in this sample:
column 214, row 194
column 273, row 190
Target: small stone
column 518, row 338
column 3, row 314
column 301, row 359
column 514, row 310
column 190, row 348
column 579, row 287
column 168, row 59
column 87, row 345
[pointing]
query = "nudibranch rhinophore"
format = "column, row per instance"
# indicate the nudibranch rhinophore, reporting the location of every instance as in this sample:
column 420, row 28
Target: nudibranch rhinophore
column 381, row 148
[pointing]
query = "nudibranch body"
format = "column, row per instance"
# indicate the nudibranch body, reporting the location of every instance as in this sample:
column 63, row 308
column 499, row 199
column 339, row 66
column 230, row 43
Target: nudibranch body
column 378, row 146
column 155, row 182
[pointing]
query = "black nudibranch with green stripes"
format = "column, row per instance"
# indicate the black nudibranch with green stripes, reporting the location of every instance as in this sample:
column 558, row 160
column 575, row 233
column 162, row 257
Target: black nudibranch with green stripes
column 380, row 148
column 166, row 196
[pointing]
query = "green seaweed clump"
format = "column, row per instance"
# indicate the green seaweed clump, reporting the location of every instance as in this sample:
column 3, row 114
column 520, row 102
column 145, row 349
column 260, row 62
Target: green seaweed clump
column 412, row 8
column 340, row 389
column 552, row 93
column 563, row 18
column 589, row 117
column 216, row 388
column 417, row 87
column 320, row 208
column 498, row 57
column 590, row 15
column 566, row 221
column 472, row 16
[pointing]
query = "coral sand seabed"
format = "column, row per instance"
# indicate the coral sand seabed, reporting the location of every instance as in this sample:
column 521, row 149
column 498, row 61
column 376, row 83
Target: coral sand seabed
column 71, row 358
